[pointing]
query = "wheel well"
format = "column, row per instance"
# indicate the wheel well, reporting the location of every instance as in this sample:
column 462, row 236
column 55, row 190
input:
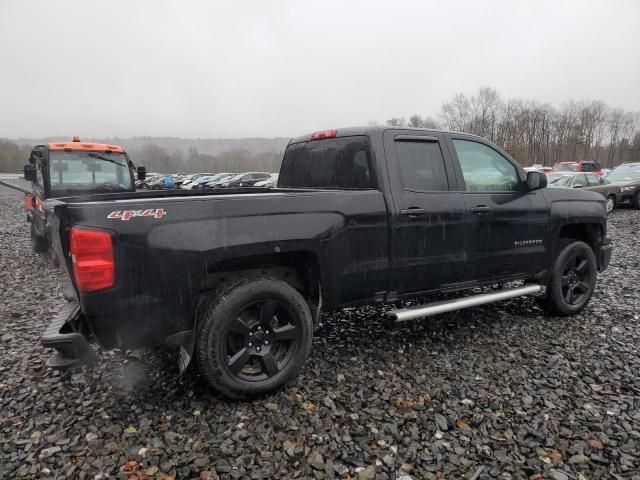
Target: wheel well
column 589, row 233
column 300, row 269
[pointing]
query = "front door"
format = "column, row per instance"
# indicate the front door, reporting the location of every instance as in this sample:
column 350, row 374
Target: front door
column 39, row 192
column 508, row 233
column 429, row 219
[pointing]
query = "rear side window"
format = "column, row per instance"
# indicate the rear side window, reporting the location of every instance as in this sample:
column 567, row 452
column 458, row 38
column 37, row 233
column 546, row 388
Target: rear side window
column 421, row 166
column 329, row 163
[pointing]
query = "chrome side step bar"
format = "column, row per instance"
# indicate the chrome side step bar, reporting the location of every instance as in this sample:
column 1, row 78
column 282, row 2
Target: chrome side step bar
column 460, row 303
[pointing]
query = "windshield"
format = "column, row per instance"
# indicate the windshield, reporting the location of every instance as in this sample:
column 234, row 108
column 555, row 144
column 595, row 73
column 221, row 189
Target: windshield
column 624, row 173
column 89, row 171
column 558, row 180
column 566, row 167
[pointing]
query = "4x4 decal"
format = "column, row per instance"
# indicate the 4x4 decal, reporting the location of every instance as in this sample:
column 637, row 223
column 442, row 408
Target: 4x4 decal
column 129, row 214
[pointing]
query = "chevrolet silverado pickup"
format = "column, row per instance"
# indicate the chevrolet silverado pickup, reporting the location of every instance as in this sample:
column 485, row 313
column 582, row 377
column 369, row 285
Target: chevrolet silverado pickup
column 237, row 278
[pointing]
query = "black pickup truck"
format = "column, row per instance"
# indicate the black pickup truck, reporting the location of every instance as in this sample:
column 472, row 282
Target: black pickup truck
column 237, row 278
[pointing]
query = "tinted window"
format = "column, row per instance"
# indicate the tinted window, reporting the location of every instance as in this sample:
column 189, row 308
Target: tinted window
column 329, row 163
column 587, row 167
column 421, row 166
column 593, row 180
column 484, row 169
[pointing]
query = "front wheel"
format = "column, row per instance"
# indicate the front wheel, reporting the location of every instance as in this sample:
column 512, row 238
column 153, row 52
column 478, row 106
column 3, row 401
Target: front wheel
column 611, row 204
column 573, row 278
column 253, row 336
column 38, row 244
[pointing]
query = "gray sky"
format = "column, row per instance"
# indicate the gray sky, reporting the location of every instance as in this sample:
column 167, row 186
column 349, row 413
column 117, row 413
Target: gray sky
column 283, row 68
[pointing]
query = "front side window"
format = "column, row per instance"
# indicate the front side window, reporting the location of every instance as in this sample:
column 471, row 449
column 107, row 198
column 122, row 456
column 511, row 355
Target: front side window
column 39, row 176
column 89, row 171
column 484, row 169
column 421, row 166
column 328, row 163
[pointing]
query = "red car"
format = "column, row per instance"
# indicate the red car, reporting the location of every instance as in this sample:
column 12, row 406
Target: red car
column 582, row 166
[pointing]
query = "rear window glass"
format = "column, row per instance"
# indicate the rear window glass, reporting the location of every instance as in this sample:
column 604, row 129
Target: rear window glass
column 329, row 163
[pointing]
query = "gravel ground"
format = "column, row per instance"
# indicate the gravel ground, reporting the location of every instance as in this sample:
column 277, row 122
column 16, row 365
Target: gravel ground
column 499, row 391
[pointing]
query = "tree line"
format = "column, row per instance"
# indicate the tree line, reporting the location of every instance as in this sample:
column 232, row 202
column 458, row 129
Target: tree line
column 539, row 133
column 532, row 132
column 156, row 158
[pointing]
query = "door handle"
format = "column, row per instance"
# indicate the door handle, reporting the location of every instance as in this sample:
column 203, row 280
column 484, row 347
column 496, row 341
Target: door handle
column 413, row 212
column 480, row 209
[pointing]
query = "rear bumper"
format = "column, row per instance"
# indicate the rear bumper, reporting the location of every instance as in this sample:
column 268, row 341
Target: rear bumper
column 606, row 249
column 72, row 347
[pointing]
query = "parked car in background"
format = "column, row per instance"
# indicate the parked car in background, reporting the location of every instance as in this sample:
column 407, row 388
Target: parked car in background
column 581, row 166
column 538, row 168
column 245, row 179
column 627, row 177
column 587, row 181
column 163, row 183
column 196, row 180
column 218, row 183
column 270, row 182
column 216, row 178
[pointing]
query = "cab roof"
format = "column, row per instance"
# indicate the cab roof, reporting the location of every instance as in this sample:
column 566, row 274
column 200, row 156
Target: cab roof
column 76, row 144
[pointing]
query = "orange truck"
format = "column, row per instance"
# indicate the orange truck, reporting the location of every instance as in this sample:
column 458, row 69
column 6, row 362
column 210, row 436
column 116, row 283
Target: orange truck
column 64, row 169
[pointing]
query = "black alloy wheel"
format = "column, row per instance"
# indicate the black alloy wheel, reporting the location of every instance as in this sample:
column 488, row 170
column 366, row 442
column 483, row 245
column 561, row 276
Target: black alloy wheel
column 253, row 336
column 574, row 282
column 261, row 340
column 572, row 278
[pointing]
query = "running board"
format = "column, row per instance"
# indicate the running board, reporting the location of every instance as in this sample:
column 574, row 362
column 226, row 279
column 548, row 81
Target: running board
column 464, row 302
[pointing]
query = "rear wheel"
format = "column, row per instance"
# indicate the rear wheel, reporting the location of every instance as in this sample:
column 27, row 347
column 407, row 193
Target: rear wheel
column 253, row 336
column 573, row 278
column 636, row 201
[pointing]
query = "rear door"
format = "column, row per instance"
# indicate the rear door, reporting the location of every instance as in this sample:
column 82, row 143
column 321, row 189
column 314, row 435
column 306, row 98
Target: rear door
column 508, row 233
column 429, row 228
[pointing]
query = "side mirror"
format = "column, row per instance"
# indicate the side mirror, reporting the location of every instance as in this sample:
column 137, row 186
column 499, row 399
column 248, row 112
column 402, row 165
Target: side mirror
column 142, row 173
column 30, row 173
column 536, row 180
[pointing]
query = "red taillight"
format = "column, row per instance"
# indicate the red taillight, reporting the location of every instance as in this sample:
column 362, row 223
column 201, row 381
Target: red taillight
column 324, row 134
column 92, row 259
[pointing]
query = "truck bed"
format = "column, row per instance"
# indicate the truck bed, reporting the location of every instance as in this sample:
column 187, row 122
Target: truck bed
column 162, row 261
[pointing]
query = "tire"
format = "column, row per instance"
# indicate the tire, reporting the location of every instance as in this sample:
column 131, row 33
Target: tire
column 38, row 244
column 611, row 204
column 252, row 336
column 636, row 201
column 573, row 278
